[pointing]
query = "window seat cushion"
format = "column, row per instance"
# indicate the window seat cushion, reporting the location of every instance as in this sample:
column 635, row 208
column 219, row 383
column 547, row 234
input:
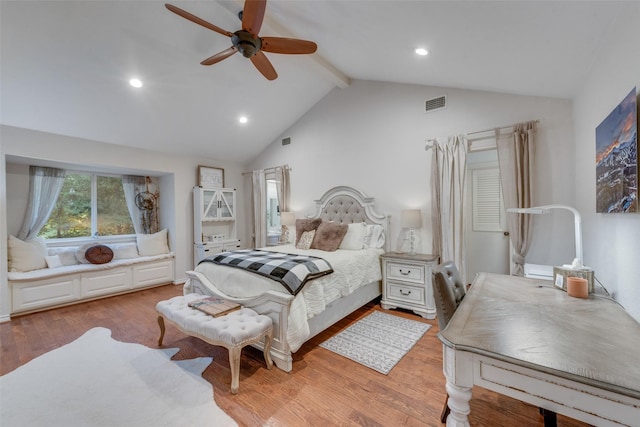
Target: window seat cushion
column 44, row 273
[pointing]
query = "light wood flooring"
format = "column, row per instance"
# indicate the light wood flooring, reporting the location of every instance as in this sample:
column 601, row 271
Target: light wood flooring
column 324, row 389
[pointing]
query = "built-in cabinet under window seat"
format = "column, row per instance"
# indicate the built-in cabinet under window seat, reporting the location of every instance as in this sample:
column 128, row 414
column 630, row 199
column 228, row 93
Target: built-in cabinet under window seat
column 52, row 287
column 42, row 277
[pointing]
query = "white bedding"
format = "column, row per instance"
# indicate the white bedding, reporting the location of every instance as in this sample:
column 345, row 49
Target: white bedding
column 352, row 269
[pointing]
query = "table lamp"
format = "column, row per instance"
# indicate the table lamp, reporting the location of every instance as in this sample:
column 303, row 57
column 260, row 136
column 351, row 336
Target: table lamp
column 286, row 219
column 411, row 219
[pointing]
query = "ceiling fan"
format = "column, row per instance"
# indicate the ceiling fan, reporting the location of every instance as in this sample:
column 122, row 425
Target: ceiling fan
column 248, row 42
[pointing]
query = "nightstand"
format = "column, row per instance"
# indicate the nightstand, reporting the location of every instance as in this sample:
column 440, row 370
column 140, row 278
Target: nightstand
column 406, row 282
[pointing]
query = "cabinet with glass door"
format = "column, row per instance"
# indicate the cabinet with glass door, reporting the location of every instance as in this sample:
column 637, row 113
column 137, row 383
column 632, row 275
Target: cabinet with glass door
column 214, row 222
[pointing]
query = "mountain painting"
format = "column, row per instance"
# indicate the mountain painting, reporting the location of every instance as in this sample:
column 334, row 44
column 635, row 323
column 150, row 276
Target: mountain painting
column 617, row 159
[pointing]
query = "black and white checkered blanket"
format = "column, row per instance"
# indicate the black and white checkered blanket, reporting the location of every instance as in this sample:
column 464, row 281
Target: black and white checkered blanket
column 292, row 270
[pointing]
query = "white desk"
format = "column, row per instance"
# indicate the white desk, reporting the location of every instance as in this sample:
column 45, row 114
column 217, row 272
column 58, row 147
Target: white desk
column 526, row 339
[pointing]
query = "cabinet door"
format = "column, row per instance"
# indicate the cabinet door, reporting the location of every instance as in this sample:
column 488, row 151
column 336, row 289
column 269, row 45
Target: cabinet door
column 227, row 204
column 218, row 204
column 209, row 204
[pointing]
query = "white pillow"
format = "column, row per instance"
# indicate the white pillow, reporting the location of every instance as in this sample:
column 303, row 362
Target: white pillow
column 153, row 244
column 374, row 236
column 67, row 254
column 354, row 239
column 124, row 251
column 26, row 256
column 53, row 261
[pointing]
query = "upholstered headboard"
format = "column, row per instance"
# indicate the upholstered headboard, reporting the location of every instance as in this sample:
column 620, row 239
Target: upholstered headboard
column 346, row 205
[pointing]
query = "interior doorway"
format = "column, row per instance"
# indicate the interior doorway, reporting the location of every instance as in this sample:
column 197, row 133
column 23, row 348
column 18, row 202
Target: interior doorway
column 487, row 238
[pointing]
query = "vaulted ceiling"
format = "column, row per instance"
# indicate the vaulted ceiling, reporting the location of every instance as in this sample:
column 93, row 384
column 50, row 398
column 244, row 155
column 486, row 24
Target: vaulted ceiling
column 65, row 65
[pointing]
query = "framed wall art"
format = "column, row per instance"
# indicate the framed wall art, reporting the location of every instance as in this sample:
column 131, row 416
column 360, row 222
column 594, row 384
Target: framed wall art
column 210, row 177
column 617, row 158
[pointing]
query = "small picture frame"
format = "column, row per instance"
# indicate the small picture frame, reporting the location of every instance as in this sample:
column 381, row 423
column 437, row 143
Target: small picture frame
column 210, row 177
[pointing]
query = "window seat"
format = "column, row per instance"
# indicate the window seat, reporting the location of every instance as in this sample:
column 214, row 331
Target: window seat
column 52, row 287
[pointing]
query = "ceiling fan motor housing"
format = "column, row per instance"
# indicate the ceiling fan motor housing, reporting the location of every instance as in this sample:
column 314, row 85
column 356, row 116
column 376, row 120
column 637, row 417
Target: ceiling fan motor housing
column 246, row 43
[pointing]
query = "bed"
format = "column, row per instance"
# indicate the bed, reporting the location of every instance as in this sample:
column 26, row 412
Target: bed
column 323, row 301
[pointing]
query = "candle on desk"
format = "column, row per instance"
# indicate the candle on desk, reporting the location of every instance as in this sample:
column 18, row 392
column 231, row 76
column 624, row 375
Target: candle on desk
column 577, row 287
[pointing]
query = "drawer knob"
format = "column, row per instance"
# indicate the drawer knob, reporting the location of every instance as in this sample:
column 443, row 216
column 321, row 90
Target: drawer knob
column 405, row 293
column 405, row 273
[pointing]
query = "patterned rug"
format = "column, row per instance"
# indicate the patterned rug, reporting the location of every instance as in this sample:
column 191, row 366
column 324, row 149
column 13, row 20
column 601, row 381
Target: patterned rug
column 377, row 341
column 100, row 382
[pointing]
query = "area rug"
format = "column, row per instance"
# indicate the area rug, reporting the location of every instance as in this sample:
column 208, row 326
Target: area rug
column 96, row 381
column 377, row 341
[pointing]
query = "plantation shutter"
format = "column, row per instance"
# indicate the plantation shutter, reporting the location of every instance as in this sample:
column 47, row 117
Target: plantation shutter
column 488, row 206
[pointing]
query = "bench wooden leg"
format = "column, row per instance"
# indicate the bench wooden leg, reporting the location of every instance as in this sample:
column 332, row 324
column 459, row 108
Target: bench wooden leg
column 267, row 348
column 445, row 411
column 161, row 324
column 234, row 364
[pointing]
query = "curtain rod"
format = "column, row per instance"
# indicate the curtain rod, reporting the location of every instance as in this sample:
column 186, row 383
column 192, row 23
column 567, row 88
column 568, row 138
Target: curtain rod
column 271, row 169
column 499, row 128
column 429, row 142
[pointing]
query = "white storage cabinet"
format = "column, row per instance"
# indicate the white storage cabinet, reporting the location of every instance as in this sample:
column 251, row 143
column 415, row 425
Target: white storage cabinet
column 214, row 222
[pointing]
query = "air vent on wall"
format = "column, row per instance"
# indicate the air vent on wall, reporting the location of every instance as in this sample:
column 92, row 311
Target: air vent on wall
column 435, row 104
column 286, row 141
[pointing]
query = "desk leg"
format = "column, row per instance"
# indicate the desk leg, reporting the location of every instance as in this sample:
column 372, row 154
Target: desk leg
column 458, row 402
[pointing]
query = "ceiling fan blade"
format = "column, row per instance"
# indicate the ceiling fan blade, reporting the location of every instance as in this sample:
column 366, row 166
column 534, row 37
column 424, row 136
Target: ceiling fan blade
column 197, row 20
column 252, row 15
column 264, row 66
column 219, row 56
column 286, row 45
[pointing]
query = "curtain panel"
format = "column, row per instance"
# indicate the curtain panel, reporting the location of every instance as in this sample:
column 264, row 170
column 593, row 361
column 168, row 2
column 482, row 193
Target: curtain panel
column 283, row 187
column 133, row 185
column 259, row 209
column 448, row 175
column 516, row 155
column 45, row 185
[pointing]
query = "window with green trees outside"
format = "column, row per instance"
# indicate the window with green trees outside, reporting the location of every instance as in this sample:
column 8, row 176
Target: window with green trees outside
column 89, row 205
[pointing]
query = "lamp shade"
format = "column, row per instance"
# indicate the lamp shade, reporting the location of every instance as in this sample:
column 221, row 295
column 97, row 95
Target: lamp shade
column 411, row 218
column 287, row 218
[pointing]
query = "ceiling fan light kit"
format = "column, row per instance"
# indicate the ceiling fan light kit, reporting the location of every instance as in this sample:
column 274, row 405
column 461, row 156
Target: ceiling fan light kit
column 248, row 42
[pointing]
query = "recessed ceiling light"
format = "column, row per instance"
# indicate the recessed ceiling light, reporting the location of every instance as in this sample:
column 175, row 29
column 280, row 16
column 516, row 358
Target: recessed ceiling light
column 137, row 83
column 243, row 119
column 422, row 51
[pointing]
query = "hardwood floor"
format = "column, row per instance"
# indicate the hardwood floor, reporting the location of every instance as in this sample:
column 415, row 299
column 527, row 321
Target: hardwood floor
column 324, row 389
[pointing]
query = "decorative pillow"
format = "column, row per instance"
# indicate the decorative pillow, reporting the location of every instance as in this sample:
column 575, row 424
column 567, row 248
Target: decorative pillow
column 153, row 244
column 374, row 236
column 26, row 255
column 306, row 239
column 99, row 254
column 328, row 236
column 53, row 261
column 67, row 254
column 354, row 239
column 303, row 225
column 124, row 251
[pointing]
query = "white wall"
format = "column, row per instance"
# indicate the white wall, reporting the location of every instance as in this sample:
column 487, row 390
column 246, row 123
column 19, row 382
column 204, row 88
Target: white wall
column 177, row 178
column 372, row 135
column 611, row 241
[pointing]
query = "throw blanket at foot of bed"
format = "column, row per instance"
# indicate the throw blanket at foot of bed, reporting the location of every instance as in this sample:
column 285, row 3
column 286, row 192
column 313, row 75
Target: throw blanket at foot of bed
column 292, row 270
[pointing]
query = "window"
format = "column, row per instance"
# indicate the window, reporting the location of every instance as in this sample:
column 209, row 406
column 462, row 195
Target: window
column 89, row 205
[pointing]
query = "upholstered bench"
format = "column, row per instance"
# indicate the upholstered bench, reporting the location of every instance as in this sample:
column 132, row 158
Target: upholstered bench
column 233, row 330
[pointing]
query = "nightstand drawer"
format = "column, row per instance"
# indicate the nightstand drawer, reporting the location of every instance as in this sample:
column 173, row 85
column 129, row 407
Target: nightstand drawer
column 407, row 293
column 405, row 272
